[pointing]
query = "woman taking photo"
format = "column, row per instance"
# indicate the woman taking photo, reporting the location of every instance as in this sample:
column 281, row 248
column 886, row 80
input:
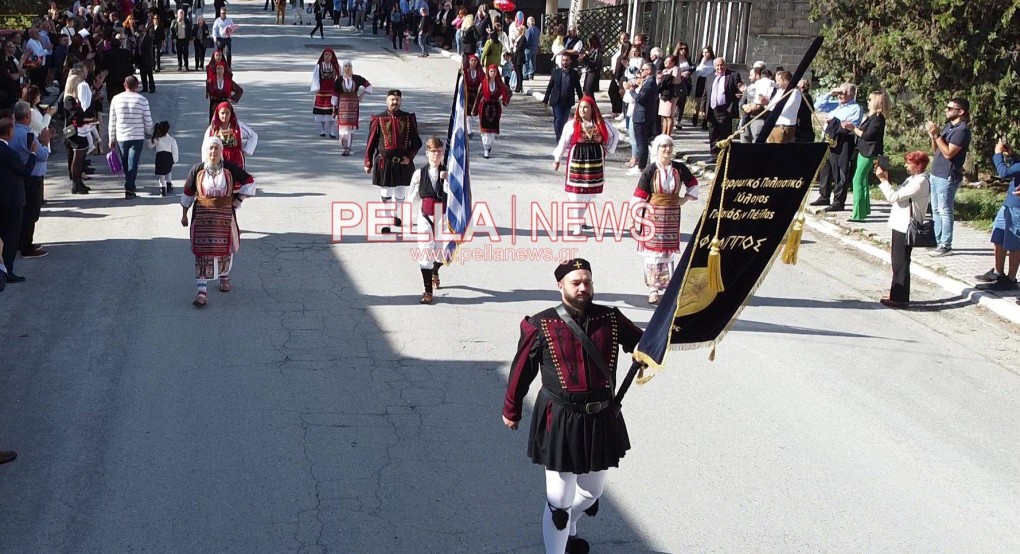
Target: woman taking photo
column 909, row 202
column 870, row 145
column 590, row 61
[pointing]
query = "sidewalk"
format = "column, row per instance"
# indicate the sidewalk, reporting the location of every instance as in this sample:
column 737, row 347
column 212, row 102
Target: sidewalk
column 972, row 251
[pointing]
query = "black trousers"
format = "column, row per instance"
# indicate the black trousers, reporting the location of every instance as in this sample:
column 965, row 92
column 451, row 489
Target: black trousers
column 899, row 291
column 182, row 53
column 720, row 126
column 318, row 27
column 30, row 213
column 10, row 233
column 834, row 178
column 199, row 55
column 615, row 98
column 145, row 76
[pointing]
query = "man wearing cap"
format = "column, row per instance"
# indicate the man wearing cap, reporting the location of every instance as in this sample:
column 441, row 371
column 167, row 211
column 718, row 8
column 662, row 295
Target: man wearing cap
column 577, row 431
column 393, row 142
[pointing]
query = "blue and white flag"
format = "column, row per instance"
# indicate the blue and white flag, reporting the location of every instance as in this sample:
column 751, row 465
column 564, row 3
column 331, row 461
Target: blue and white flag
column 458, row 202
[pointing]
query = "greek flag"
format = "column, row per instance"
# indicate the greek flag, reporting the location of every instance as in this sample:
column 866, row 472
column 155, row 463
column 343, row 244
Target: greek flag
column 458, row 182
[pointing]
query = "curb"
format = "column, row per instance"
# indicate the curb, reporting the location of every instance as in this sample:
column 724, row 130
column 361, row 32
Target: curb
column 1002, row 307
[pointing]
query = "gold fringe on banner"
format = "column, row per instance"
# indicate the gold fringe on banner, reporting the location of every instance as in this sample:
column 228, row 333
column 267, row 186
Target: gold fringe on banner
column 715, row 282
column 711, row 355
column 792, row 247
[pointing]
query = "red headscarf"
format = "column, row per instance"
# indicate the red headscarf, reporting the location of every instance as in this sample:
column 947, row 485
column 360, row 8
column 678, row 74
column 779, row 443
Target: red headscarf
column 228, row 81
column 216, row 124
column 500, row 85
column 596, row 116
column 467, row 67
column 210, row 70
column 334, row 62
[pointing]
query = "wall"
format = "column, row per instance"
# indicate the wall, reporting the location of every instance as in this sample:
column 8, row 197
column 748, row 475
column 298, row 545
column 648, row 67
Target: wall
column 780, row 32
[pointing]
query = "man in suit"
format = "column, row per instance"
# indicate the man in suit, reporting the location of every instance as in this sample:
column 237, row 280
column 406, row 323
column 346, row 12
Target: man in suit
column 118, row 65
column 12, row 195
column 646, row 114
column 723, row 95
column 563, row 90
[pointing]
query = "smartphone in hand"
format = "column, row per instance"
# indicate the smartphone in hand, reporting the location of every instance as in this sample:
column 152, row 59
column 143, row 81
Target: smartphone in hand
column 883, row 162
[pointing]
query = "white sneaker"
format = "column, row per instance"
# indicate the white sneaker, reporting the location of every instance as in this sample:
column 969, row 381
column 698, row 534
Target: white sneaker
column 634, row 171
column 620, row 117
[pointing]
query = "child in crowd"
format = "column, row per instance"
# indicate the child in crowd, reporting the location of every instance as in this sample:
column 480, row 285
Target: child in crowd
column 507, row 69
column 166, row 156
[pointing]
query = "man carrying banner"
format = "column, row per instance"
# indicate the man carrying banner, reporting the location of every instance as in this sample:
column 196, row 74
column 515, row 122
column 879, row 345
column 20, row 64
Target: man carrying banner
column 577, row 431
column 665, row 186
column 393, row 142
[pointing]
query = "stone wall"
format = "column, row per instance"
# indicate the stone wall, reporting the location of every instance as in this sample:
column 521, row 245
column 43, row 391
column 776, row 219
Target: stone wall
column 780, row 31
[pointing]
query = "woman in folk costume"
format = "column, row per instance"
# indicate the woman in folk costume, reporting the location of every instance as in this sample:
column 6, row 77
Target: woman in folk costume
column 214, row 190
column 473, row 77
column 324, row 76
column 586, row 140
column 219, row 83
column 236, row 138
column 664, row 186
column 492, row 95
column 348, row 91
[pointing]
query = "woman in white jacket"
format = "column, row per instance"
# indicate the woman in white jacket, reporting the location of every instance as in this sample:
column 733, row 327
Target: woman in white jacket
column 909, row 201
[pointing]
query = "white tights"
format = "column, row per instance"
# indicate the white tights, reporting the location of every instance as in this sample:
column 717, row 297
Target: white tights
column 487, row 140
column 391, row 194
column 571, row 492
column 346, row 138
column 323, row 121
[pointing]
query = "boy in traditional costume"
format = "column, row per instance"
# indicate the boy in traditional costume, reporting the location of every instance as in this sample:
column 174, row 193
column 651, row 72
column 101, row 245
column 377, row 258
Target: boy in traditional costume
column 665, row 186
column 585, row 141
column 215, row 189
column 430, row 184
column 393, row 142
column 325, row 74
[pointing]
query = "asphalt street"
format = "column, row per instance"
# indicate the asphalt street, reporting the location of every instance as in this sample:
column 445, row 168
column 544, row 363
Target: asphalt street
column 317, row 407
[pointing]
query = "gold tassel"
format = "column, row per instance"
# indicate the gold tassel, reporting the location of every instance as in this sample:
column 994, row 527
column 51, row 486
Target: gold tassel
column 641, row 379
column 711, row 355
column 715, row 282
column 793, row 241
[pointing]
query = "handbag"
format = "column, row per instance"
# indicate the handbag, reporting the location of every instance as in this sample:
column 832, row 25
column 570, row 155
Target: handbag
column 208, row 42
column 113, row 160
column 921, row 235
column 70, row 131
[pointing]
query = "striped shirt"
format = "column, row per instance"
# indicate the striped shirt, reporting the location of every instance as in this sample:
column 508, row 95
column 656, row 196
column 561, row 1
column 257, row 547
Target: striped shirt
column 129, row 117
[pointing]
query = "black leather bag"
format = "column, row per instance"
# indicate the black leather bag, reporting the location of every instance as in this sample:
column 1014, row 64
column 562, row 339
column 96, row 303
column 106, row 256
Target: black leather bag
column 921, row 234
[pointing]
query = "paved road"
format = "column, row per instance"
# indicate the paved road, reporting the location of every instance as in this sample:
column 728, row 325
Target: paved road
column 318, row 408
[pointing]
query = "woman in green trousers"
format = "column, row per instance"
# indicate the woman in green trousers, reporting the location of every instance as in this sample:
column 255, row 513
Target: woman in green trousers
column 870, row 145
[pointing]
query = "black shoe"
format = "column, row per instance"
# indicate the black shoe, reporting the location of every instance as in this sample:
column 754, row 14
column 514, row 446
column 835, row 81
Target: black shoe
column 129, row 194
column 12, row 278
column 7, row 456
column 835, row 208
column 820, row 201
column 893, row 304
column 577, row 545
column 169, row 186
column 1001, row 284
column 990, row 277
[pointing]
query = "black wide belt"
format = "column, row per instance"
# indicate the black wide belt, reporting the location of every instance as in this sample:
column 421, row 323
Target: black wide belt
column 579, row 407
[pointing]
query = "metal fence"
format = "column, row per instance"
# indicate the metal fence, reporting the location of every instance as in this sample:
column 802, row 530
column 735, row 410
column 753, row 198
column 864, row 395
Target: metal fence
column 721, row 24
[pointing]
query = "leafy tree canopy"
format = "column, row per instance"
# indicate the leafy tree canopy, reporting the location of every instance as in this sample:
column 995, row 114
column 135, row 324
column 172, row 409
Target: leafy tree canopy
column 923, row 52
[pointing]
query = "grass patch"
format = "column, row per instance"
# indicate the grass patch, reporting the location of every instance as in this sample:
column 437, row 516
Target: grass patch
column 978, row 207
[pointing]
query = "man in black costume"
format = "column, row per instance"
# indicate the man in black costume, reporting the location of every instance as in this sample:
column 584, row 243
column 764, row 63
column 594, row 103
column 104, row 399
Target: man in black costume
column 577, row 430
